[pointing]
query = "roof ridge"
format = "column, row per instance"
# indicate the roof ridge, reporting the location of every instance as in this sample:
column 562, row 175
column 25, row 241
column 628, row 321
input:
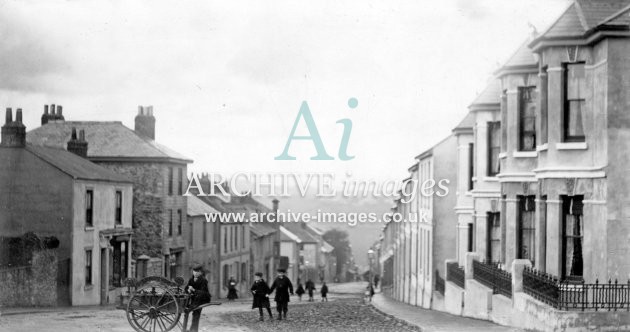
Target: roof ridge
column 615, row 15
column 580, row 13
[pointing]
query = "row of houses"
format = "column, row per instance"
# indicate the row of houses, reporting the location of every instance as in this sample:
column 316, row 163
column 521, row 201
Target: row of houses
column 112, row 198
column 536, row 221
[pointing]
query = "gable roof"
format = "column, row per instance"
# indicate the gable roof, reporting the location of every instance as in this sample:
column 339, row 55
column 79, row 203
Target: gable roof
column 523, row 59
column 466, row 125
column 67, row 162
column 106, row 140
column 262, row 229
column 585, row 16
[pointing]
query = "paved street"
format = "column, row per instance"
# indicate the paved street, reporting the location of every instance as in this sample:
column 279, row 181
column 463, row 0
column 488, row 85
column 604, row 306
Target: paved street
column 345, row 311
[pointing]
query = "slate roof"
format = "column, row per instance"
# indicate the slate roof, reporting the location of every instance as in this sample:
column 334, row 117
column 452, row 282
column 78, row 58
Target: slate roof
column 468, row 122
column 301, row 233
column 198, row 207
column 490, row 95
column 67, row 162
column 105, row 140
column 584, row 15
column 262, row 229
column 522, row 57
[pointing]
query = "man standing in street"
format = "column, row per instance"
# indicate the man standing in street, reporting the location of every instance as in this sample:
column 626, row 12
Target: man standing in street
column 282, row 285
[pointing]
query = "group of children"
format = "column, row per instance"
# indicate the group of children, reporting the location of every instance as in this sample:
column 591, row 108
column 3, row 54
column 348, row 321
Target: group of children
column 198, row 288
column 310, row 288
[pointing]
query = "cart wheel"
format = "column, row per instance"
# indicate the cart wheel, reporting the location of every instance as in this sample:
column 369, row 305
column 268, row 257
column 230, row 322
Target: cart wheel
column 153, row 308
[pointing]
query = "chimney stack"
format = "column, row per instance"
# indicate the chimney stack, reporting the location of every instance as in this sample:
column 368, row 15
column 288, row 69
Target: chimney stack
column 78, row 146
column 276, row 203
column 13, row 132
column 145, row 122
column 54, row 113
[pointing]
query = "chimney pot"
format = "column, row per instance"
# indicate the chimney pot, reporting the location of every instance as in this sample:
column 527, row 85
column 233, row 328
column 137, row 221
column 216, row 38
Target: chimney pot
column 78, row 146
column 18, row 115
column 9, row 116
column 145, row 122
column 82, row 135
column 59, row 110
column 46, row 109
column 52, row 109
column 73, row 136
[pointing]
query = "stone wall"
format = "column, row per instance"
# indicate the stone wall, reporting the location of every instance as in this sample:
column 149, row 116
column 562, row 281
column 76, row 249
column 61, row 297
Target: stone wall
column 34, row 285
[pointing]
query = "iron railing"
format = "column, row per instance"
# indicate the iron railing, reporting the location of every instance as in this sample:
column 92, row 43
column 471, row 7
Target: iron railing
column 611, row 296
column 439, row 283
column 566, row 295
column 541, row 286
column 492, row 276
column 455, row 274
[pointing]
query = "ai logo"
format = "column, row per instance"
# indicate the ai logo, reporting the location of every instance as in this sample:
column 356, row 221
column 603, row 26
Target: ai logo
column 305, row 115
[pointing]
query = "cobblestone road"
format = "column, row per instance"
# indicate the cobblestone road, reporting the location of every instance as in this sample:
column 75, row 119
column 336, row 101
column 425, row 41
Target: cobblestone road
column 344, row 312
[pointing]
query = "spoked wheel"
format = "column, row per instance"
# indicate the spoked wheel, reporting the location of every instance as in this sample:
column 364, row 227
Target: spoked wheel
column 153, row 308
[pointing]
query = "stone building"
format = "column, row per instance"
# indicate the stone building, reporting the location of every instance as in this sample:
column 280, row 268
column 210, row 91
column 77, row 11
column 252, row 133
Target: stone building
column 158, row 174
column 58, row 194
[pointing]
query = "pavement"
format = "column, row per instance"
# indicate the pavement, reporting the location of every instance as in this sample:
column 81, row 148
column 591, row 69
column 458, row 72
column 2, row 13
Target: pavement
column 432, row 320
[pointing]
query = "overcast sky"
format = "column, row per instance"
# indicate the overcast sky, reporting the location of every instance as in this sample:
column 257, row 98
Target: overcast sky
column 226, row 79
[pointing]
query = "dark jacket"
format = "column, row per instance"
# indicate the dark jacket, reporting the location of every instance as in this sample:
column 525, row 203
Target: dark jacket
column 324, row 290
column 283, row 287
column 300, row 290
column 200, row 295
column 260, row 289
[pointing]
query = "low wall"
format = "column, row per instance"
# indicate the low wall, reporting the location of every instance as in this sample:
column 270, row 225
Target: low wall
column 453, row 299
column 34, row 285
column 477, row 300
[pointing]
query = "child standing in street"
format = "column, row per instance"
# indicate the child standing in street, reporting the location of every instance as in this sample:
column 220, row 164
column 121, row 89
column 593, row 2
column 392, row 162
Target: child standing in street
column 260, row 290
column 324, row 291
column 300, row 290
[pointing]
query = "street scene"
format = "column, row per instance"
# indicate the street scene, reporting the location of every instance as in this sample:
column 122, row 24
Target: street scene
column 461, row 165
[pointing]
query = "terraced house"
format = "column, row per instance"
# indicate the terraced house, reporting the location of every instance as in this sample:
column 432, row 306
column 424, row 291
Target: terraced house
column 542, row 218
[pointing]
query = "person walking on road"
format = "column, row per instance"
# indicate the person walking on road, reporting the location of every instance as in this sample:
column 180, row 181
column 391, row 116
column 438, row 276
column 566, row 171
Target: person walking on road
column 232, row 290
column 324, row 291
column 300, row 290
column 310, row 287
column 283, row 286
column 369, row 293
column 197, row 287
column 260, row 290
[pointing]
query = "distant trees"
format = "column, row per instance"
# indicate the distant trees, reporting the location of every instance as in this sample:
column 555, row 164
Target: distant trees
column 343, row 252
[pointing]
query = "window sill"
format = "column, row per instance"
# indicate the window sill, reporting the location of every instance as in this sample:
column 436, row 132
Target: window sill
column 89, row 228
column 572, row 146
column 491, row 178
column 502, row 155
column 543, row 147
column 524, row 154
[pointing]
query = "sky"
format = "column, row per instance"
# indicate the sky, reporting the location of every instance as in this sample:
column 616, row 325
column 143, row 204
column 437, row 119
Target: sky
column 226, row 79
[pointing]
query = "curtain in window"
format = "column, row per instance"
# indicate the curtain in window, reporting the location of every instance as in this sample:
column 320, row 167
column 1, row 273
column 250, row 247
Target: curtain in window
column 527, row 228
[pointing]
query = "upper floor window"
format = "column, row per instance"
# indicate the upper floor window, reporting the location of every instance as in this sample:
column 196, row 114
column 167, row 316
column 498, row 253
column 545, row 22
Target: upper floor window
column 471, row 165
column 89, row 208
column 527, row 118
column 170, row 181
column 88, row 267
column 180, row 181
column 170, row 222
column 574, row 86
column 494, row 147
column 118, row 212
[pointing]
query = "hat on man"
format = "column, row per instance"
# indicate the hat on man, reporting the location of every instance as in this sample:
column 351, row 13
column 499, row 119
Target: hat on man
column 282, row 271
column 258, row 274
column 197, row 267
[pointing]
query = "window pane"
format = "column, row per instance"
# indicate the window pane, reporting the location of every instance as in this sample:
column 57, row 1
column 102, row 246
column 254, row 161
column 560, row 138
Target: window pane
column 574, row 118
column 575, row 81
